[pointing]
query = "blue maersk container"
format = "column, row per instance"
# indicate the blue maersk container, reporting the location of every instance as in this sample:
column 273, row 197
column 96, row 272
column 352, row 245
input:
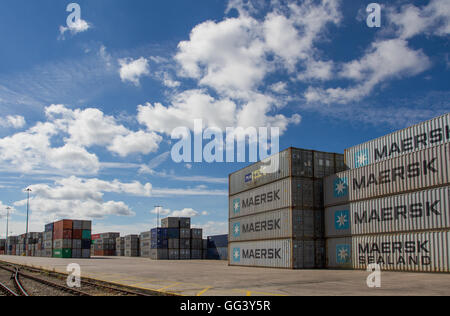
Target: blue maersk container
column 49, row 227
column 173, row 233
column 159, row 233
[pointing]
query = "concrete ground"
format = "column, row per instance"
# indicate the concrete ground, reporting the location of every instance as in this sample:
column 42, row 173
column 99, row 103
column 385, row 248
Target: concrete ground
column 216, row 278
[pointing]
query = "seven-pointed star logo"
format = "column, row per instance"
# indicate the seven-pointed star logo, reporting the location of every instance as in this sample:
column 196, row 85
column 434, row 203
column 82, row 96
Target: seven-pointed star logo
column 362, row 158
column 343, row 254
column 237, row 206
column 237, row 230
column 237, row 254
column 340, row 187
column 342, row 220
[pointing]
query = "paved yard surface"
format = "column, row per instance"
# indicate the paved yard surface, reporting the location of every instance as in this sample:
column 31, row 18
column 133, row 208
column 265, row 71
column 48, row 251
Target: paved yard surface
column 216, row 278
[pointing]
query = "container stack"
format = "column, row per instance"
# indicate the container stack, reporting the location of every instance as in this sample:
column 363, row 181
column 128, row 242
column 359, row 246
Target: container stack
column 81, row 239
column 11, row 244
column 145, row 244
column 120, row 246
column 2, row 246
column 217, row 247
column 104, row 244
column 33, row 244
column 47, row 250
column 276, row 211
column 392, row 207
column 196, row 243
column 159, row 244
column 132, row 246
column 62, row 239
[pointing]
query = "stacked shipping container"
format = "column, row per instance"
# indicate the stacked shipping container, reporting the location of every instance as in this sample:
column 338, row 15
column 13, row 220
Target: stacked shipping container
column 392, row 207
column 276, row 211
column 104, row 244
column 72, row 239
column 131, row 246
column 120, row 246
column 217, row 247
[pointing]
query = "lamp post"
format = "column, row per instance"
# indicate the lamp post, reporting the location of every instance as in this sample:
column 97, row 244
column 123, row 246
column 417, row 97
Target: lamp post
column 7, row 223
column 157, row 207
column 28, row 190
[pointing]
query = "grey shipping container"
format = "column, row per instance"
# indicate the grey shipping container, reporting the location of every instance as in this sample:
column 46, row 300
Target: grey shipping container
column 196, row 244
column 62, row 243
column 338, row 221
column 174, row 243
column 185, row 233
column 185, row 243
column 412, row 172
column 170, row 222
column 76, row 243
column 279, row 224
column 196, row 233
column 185, row 222
column 174, row 254
column 85, row 253
column 418, row 252
column 159, row 254
column 76, row 224
column 417, row 211
column 185, row 254
column 289, row 192
column 76, row 253
column 131, row 252
column 196, row 254
column 418, row 137
column 290, row 162
column 145, row 235
column 279, row 253
column 339, row 253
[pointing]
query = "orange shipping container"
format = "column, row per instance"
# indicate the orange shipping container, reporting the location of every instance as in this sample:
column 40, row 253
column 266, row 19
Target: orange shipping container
column 62, row 225
column 77, row 234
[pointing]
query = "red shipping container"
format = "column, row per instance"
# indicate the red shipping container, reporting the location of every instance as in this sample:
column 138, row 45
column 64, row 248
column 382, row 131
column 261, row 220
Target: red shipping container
column 77, row 234
column 65, row 224
column 95, row 236
column 65, row 234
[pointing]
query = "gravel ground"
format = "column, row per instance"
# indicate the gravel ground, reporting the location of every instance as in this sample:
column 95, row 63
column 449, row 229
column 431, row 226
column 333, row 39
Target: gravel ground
column 5, row 278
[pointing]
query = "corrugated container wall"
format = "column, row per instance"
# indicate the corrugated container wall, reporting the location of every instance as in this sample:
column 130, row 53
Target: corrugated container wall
column 412, row 172
column 417, row 211
column 338, row 221
column 418, row 137
column 290, row 162
column 418, row 252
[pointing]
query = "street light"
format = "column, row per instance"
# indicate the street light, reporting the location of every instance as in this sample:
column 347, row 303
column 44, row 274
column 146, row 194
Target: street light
column 7, row 223
column 28, row 190
column 157, row 207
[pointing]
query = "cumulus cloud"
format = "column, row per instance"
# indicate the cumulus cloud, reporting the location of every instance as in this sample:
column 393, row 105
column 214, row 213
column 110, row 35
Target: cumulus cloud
column 14, row 121
column 186, row 212
column 132, row 70
column 386, row 59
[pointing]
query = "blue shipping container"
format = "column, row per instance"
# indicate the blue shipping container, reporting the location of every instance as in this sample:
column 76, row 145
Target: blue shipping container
column 159, row 233
column 49, row 227
column 173, row 233
column 159, row 244
column 86, row 244
column 218, row 241
column 220, row 253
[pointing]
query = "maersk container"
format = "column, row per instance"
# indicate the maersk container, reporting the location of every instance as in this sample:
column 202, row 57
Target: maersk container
column 416, row 252
column 285, row 223
column 418, row 137
column 338, row 221
column 217, row 241
column 339, row 253
column 413, row 172
column 290, row 192
column 421, row 210
column 290, row 162
column 279, row 253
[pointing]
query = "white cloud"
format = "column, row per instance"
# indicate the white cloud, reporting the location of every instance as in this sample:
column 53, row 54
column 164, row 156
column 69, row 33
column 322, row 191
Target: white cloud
column 78, row 26
column 386, row 59
column 186, row 212
column 211, row 228
column 14, row 121
column 139, row 142
column 132, row 70
column 279, row 87
column 433, row 19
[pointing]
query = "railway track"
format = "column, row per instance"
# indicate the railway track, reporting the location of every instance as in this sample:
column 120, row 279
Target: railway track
column 56, row 280
column 7, row 291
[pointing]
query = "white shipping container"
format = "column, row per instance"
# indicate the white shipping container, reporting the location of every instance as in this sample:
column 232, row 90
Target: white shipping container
column 418, row 252
column 285, row 223
column 422, row 210
column 268, row 253
column 418, row 137
column 269, row 197
column 280, row 253
column 416, row 171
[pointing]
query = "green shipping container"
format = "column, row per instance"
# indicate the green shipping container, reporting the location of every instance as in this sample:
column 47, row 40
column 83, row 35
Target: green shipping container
column 62, row 253
column 86, row 234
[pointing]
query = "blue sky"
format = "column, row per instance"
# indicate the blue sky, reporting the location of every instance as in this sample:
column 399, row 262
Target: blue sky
column 87, row 110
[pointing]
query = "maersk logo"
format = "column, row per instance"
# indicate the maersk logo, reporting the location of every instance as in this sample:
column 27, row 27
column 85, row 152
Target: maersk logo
column 340, row 187
column 362, row 158
column 237, row 254
column 237, row 230
column 248, row 178
column 341, row 220
column 343, row 253
column 237, row 206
